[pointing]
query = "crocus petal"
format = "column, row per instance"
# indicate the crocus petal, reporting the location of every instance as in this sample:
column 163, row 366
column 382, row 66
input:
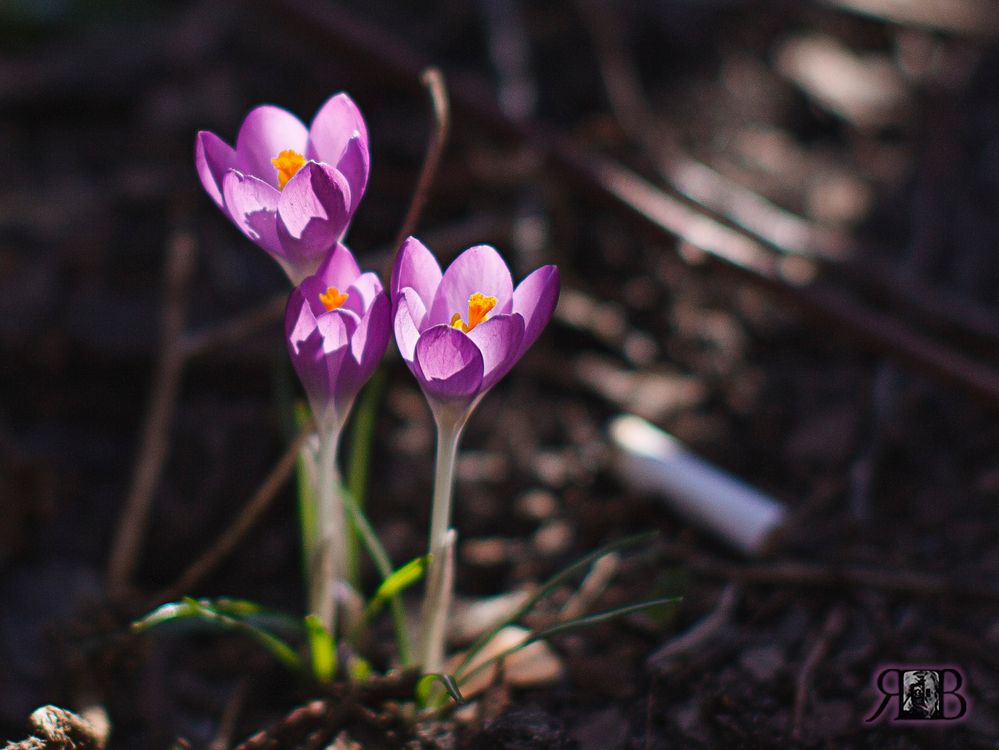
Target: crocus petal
column 337, row 121
column 314, row 354
column 415, row 267
column 409, row 314
column 252, row 204
column 478, row 269
column 213, row 157
column 448, row 365
column 499, row 341
column 363, row 292
column 371, row 337
column 355, row 165
column 535, row 298
column 265, row 133
column 338, row 136
column 312, row 211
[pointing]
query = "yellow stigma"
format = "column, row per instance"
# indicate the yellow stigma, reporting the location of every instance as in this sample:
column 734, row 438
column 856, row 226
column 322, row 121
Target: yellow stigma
column 332, row 298
column 479, row 306
column 287, row 164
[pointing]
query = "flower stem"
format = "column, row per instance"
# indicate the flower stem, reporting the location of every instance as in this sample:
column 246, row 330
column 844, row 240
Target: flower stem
column 437, row 599
column 328, row 561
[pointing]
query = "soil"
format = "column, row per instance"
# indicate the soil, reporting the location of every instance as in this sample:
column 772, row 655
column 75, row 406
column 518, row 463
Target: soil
column 877, row 138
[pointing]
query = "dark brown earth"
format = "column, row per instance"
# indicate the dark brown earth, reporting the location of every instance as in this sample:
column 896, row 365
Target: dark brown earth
column 850, row 370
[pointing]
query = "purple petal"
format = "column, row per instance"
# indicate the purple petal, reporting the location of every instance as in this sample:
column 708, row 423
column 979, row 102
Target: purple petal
column 337, row 121
column 535, row 298
column 265, row 133
column 499, row 341
column 338, row 136
column 355, row 165
column 252, row 205
column 337, row 269
column 370, row 340
column 416, row 267
column 478, row 269
column 337, row 327
column 306, row 349
column 448, row 365
column 409, row 316
column 312, row 211
column 213, row 157
column 363, row 292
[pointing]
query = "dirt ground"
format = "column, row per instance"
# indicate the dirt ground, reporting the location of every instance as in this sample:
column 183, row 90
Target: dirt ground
column 776, row 224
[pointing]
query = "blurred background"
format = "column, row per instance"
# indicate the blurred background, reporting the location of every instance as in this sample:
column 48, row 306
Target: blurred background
column 776, row 223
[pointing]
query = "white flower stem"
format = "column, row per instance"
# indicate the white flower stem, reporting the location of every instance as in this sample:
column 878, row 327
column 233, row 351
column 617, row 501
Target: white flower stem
column 329, row 562
column 439, row 580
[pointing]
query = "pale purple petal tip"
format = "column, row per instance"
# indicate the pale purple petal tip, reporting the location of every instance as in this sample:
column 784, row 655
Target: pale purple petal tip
column 478, row 269
column 535, row 299
column 337, row 121
column 448, row 365
column 409, row 314
column 213, row 157
column 355, row 165
column 416, row 267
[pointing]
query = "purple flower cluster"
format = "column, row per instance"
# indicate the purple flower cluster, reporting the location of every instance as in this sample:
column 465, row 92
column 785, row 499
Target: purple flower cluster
column 293, row 191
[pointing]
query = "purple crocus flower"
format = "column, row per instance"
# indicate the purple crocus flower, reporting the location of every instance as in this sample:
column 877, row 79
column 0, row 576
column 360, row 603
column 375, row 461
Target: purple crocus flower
column 290, row 189
column 462, row 330
column 337, row 327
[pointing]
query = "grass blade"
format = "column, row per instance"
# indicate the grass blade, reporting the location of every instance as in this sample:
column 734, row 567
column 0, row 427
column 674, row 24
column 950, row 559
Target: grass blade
column 322, row 649
column 549, row 586
column 205, row 610
column 577, row 623
column 426, row 683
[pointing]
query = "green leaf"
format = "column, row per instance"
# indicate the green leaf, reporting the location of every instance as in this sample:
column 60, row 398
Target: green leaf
column 577, row 623
column 426, row 683
column 322, row 649
column 359, row 669
column 395, row 584
column 221, row 614
column 548, row 587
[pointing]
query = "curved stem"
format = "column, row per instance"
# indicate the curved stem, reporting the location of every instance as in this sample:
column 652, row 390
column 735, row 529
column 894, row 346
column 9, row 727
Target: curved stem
column 437, row 599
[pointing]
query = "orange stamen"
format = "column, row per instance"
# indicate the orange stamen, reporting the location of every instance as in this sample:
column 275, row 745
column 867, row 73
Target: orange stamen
column 287, row 164
column 332, row 298
column 479, row 306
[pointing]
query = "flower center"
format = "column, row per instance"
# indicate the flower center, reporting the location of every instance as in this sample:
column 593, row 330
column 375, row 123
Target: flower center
column 287, row 164
column 479, row 306
column 332, row 298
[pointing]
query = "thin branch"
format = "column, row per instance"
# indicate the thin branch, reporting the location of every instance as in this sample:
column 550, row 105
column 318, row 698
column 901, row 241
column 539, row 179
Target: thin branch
column 234, row 329
column 252, row 512
column 831, row 629
column 134, row 521
column 699, row 634
column 433, row 80
column 798, row 573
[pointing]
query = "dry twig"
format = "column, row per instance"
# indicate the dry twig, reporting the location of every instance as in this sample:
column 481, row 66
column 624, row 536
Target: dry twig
column 433, row 80
column 252, row 512
column 831, row 629
column 155, row 444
